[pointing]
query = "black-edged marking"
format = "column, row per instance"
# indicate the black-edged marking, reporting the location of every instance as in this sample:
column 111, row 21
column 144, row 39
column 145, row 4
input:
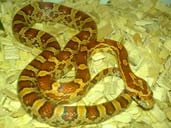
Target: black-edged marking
column 30, row 98
column 123, row 102
column 28, row 10
column 46, row 110
column 92, row 113
column 25, row 84
column 70, row 113
column 110, row 108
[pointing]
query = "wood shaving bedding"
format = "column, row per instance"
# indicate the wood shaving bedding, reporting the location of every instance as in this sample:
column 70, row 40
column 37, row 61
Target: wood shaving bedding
column 144, row 27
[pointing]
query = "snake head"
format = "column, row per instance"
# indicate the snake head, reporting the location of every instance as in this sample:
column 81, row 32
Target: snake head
column 142, row 94
column 145, row 101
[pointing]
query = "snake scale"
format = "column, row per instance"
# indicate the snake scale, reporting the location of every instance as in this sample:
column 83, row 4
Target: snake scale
column 39, row 90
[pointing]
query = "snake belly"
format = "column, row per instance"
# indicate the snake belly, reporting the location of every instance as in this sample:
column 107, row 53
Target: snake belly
column 39, row 91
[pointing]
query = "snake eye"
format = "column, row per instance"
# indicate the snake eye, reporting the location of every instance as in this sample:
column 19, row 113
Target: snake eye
column 137, row 97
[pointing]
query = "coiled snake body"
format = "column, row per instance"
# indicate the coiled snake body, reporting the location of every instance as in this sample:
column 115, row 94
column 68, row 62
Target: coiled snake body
column 39, row 91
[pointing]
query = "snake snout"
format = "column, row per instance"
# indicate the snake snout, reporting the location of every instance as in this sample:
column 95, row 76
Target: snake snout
column 146, row 102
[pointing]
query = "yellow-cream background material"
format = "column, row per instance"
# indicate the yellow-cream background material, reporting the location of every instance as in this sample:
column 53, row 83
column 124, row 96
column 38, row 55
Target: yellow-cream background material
column 142, row 26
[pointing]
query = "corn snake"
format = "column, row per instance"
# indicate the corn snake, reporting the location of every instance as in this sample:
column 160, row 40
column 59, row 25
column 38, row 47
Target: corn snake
column 39, row 91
